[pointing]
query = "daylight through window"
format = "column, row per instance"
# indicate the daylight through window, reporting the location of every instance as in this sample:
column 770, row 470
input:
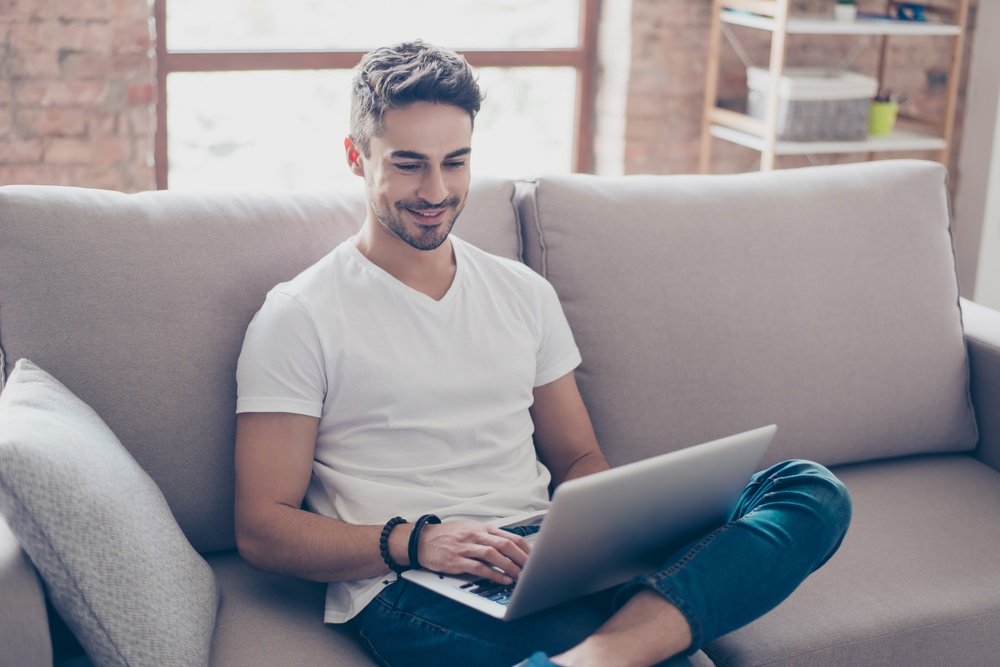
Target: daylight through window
column 256, row 92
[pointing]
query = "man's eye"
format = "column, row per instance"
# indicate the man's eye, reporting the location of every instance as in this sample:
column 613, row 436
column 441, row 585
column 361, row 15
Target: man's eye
column 455, row 164
column 408, row 166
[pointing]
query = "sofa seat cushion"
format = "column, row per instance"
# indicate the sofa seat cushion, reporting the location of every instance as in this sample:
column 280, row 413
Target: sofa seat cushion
column 914, row 583
column 24, row 627
column 269, row 619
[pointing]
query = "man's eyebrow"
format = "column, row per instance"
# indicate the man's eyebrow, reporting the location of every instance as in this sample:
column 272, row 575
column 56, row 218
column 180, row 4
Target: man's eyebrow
column 413, row 155
column 408, row 155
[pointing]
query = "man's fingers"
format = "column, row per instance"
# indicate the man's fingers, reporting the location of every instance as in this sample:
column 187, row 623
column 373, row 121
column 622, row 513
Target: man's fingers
column 521, row 543
column 483, row 571
column 484, row 551
column 512, row 551
column 491, row 556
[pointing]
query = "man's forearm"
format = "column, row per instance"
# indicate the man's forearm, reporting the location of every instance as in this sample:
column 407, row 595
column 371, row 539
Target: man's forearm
column 310, row 546
column 587, row 464
column 303, row 544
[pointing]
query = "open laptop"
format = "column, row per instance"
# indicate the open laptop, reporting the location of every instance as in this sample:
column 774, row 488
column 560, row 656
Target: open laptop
column 605, row 528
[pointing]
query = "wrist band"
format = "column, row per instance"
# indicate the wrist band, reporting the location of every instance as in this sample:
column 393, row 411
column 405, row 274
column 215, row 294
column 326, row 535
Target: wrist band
column 414, row 545
column 383, row 543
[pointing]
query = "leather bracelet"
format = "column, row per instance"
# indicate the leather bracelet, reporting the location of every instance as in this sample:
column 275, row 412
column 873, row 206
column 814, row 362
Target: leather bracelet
column 383, row 543
column 414, row 544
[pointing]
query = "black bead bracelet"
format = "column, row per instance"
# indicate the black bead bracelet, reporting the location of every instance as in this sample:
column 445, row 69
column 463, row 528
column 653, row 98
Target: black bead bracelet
column 383, row 543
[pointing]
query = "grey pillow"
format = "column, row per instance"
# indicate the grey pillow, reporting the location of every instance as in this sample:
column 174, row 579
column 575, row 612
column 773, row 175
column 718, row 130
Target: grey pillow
column 116, row 564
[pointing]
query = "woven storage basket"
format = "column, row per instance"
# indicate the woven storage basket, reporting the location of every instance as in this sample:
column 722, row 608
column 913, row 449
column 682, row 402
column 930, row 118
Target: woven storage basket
column 815, row 104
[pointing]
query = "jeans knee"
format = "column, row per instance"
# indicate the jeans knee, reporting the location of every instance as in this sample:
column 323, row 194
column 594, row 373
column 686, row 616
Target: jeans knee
column 829, row 495
column 833, row 501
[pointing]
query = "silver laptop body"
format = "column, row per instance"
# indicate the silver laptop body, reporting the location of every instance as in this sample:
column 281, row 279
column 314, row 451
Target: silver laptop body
column 605, row 528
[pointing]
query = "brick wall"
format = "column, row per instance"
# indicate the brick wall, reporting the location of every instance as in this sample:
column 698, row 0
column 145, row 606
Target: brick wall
column 77, row 85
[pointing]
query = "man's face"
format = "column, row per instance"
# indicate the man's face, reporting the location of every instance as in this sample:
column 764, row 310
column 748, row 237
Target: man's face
column 417, row 176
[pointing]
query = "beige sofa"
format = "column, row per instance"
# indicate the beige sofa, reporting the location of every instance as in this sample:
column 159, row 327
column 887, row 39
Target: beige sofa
column 822, row 299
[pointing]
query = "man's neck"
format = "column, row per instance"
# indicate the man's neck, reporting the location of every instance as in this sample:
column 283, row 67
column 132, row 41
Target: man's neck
column 427, row 271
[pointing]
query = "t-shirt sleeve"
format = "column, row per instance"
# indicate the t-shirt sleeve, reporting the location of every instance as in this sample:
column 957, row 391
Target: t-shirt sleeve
column 281, row 366
column 557, row 350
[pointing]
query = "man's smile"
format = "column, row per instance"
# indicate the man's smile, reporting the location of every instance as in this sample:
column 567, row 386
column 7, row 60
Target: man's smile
column 428, row 216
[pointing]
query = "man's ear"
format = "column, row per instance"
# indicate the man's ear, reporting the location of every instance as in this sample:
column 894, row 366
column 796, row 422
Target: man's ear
column 353, row 157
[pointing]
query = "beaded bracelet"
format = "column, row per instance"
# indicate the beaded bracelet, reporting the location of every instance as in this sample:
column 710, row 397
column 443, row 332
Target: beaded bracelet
column 383, row 543
column 414, row 544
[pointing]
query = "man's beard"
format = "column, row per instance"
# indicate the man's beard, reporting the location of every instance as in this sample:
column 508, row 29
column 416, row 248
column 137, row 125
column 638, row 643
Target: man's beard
column 424, row 238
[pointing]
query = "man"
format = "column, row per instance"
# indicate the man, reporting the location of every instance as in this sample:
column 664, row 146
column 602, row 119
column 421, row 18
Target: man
column 409, row 374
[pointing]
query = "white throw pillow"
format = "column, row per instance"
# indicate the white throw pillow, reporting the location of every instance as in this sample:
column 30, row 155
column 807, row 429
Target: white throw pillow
column 116, row 565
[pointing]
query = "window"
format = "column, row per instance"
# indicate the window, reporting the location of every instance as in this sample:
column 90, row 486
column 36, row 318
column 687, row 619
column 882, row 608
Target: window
column 255, row 92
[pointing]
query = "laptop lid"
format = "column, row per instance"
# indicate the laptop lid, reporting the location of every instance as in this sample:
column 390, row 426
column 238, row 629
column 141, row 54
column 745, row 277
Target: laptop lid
column 605, row 528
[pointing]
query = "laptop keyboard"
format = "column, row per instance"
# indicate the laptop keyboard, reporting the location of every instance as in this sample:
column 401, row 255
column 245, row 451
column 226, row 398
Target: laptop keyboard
column 497, row 592
column 490, row 590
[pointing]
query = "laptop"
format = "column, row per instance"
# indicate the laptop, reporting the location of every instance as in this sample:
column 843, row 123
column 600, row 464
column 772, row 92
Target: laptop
column 605, row 528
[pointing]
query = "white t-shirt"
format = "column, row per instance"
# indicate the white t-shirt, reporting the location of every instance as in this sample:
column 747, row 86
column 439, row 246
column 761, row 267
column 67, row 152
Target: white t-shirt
column 422, row 404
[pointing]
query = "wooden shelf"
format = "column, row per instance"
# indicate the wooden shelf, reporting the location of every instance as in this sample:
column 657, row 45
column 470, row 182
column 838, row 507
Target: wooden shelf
column 824, row 26
column 775, row 17
column 897, row 141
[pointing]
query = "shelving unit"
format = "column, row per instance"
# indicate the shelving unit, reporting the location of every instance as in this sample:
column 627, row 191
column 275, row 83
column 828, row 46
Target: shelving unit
column 935, row 134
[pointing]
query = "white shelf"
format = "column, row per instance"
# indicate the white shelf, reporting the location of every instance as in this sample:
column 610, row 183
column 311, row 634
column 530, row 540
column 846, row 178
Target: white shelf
column 899, row 140
column 823, row 26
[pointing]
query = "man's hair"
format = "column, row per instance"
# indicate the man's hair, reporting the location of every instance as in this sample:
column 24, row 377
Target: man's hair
column 396, row 76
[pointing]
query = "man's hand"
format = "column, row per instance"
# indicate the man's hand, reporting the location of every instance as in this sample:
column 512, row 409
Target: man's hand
column 469, row 547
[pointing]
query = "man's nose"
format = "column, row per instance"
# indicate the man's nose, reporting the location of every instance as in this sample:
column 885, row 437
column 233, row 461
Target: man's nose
column 433, row 188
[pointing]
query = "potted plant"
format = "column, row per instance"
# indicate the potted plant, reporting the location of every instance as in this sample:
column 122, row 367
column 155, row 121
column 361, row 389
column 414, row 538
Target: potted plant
column 846, row 10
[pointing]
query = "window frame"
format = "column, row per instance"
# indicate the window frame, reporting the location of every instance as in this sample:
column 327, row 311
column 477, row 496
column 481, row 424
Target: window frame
column 582, row 58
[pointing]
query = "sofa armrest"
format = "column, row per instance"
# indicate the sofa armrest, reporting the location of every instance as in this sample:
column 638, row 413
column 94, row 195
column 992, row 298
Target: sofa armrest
column 982, row 337
column 24, row 624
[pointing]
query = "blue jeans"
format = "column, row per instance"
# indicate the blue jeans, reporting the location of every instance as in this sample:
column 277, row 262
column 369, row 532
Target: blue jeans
column 790, row 519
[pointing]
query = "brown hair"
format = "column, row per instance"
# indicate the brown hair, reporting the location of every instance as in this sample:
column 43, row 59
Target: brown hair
column 395, row 76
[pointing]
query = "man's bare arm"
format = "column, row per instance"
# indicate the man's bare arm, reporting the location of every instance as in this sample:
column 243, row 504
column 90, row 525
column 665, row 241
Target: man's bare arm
column 274, row 457
column 564, row 434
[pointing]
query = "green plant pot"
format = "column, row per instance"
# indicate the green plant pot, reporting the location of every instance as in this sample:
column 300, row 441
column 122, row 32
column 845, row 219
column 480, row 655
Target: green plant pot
column 882, row 118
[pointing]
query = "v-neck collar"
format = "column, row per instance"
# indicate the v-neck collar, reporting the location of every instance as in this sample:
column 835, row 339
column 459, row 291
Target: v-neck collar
column 411, row 294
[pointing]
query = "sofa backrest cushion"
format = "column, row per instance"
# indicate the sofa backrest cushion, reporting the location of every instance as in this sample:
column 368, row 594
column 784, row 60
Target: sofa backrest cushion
column 139, row 304
column 821, row 299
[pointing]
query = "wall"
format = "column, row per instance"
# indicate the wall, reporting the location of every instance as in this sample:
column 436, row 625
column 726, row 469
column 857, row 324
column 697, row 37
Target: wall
column 977, row 205
column 987, row 289
column 614, row 46
column 666, row 90
column 77, row 84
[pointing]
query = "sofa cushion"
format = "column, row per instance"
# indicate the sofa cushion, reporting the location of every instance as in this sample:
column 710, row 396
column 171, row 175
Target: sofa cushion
column 982, row 336
column 269, row 619
column 140, row 303
column 116, row 564
column 914, row 583
column 821, row 299
column 24, row 627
